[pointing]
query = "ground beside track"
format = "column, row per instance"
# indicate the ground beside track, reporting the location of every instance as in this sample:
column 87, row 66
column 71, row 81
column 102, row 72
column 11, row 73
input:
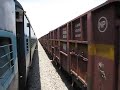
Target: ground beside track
column 45, row 75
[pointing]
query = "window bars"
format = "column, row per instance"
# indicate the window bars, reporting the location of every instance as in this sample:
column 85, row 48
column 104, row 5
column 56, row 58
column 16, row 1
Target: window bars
column 6, row 60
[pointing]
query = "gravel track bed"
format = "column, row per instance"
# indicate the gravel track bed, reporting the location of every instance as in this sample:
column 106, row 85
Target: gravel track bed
column 43, row 75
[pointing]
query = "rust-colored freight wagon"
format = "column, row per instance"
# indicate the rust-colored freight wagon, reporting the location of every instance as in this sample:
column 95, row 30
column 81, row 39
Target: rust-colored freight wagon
column 88, row 47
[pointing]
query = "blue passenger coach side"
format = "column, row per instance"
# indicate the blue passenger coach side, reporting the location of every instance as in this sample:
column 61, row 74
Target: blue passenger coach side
column 8, row 51
column 17, row 45
column 33, row 43
column 26, row 43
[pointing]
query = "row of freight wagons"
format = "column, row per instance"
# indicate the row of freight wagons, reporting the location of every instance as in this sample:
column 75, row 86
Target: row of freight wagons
column 88, row 47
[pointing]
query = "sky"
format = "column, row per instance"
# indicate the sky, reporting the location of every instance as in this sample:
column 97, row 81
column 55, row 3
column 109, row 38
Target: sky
column 47, row 15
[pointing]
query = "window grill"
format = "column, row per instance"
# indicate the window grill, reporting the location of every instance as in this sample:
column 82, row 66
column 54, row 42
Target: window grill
column 6, row 59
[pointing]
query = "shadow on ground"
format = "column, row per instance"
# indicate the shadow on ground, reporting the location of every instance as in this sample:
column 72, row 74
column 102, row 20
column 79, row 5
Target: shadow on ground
column 33, row 82
column 65, row 77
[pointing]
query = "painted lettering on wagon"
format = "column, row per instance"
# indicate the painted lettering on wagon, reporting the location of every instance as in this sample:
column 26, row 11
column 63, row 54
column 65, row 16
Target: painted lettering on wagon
column 102, row 24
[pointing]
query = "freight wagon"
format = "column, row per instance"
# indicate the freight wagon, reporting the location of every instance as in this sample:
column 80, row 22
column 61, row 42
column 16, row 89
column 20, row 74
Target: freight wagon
column 88, row 47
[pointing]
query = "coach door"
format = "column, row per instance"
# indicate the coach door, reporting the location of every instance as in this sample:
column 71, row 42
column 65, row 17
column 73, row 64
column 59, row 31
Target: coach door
column 20, row 47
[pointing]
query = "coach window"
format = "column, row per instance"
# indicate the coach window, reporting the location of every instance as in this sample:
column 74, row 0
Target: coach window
column 6, row 58
column 17, row 15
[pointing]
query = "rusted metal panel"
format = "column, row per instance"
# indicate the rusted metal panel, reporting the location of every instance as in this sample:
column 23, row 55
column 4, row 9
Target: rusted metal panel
column 84, row 28
column 103, row 22
column 82, row 61
column 76, row 29
column 103, row 74
column 91, row 59
column 63, row 61
column 73, row 65
column 102, row 49
column 78, row 49
column 63, row 47
column 63, row 32
column 64, row 55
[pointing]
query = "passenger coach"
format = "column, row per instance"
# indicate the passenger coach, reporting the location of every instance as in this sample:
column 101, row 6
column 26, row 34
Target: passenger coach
column 17, row 45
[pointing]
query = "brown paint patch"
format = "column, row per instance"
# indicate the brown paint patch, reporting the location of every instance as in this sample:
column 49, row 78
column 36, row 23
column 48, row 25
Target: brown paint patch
column 99, row 82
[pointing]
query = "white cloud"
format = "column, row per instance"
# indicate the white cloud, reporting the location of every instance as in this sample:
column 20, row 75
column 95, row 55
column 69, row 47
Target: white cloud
column 46, row 15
